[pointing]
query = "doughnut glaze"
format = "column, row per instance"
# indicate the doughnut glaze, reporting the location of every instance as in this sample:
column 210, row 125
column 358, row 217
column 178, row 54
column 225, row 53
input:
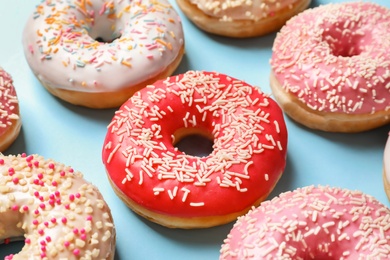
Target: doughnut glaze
column 10, row 121
column 174, row 189
column 101, row 46
column 333, row 63
column 60, row 215
column 312, row 223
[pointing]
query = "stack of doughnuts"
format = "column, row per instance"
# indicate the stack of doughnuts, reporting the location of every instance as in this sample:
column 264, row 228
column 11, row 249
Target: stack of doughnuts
column 241, row 19
column 330, row 67
column 10, row 121
column 177, row 190
column 54, row 209
column 98, row 53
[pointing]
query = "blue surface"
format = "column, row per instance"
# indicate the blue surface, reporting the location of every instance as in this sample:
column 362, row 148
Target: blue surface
column 74, row 136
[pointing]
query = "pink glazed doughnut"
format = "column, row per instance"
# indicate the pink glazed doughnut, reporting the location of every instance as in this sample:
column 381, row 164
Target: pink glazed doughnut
column 312, row 223
column 331, row 67
column 97, row 53
column 386, row 167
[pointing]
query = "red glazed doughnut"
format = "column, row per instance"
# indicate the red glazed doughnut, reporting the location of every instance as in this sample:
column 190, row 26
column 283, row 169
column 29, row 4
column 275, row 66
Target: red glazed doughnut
column 97, row 53
column 312, row 223
column 10, row 122
column 60, row 215
column 386, row 167
column 330, row 67
column 174, row 189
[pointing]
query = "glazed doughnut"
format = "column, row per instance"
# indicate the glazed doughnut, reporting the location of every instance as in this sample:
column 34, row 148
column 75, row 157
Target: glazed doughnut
column 241, row 19
column 60, row 214
column 312, row 223
column 97, row 53
column 330, row 67
column 386, row 167
column 10, row 121
column 165, row 185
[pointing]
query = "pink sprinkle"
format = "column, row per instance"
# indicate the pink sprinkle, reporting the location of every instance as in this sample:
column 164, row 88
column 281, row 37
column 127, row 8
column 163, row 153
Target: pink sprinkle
column 75, row 231
column 48, row 238
column 41, row 232
column 36, row 212
column 9, row 257
column 62, row 173
column 11, row 171
column 66, row 243
column 36, row 181
column 89, row 218
column 36, row 193
column 54, row 183
column 46, row 223
column 52, row 202
column 43, row 248
column 27, row 241
column 82, row 231
column 43, row 242
column 29, row 158
column 78, row 195
column 51, row 165
column 15, row 207
column 64, row 220
column 35, row 222
column 25, row 208
column 40, row 176
column 1, row 161
column 43, row 255
column 76, row 252
column 57, row 193
column 42, row 205
column 15, row 180
column 36, row 164
column 83, row 236
column 67, row 206
column 71, row 197
column 53, row 220
column 23, row 155
column 71, row 170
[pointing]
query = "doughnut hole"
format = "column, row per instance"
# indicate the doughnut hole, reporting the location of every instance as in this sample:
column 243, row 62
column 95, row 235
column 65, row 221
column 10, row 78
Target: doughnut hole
column 105, row 28
column 193, row 141
column 345, row 39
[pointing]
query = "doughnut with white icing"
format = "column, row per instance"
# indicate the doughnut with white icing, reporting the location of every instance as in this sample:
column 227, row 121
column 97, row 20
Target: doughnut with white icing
column 54, row 209
column 97, row 53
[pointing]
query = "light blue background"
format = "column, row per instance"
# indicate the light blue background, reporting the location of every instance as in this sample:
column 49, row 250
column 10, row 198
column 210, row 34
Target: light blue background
column 74, row 135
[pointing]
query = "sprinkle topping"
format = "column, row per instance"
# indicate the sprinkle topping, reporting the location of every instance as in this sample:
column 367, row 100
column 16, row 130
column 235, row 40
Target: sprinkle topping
column 247, row 127
column 101, row 45
column 335, row 58
column 47, row 216
column 9, row 105
column 312, row 223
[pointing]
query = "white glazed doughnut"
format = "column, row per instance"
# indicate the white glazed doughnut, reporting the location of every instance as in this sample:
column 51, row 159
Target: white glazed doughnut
column 60, row 215
column 144, row 42
column 312, row 223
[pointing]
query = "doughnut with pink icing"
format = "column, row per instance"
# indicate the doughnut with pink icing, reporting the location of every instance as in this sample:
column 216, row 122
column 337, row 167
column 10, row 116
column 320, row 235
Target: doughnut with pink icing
column 386, row 167
column 10, row 121
column 241, row 18
column 312, row 223
column 175, row 189
column 57, row 212
column 331, row 67
column 97, row 53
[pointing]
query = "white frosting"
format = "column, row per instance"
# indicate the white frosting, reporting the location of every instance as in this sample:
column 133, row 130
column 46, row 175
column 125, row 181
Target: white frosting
column 60, row 46
column 386, row 159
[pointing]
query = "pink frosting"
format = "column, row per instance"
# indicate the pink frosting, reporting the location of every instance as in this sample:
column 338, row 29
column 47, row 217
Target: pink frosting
column 336, row 58
column 312, row 222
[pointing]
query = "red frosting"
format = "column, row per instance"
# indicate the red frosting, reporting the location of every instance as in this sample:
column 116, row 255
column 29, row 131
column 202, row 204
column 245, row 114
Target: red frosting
column 248, row 157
